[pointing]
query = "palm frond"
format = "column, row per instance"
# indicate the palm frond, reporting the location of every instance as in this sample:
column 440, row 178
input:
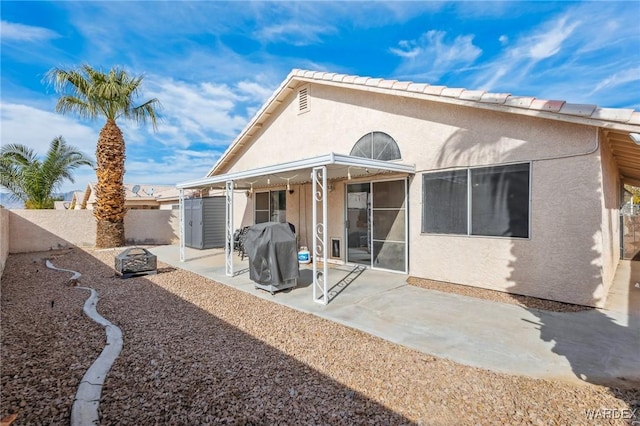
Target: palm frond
column 34, row 181
column 88, row 93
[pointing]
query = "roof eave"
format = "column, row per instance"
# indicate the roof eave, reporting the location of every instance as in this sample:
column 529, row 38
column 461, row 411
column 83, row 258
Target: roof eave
column 525, row 106
column 307, row 163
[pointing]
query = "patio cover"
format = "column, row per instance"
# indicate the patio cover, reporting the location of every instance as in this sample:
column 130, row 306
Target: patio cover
column 316, row 170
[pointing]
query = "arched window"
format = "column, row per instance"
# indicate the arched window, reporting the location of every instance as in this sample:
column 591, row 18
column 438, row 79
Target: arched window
column 377, row 146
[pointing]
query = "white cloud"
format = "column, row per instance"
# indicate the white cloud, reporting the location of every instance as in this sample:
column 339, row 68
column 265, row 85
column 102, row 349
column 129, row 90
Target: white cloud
column 295, row 33
column 257, row 90
column 563, row 59
column 619, row 78
column 26, row 33
column 432, row 55
column 204, row 112
column 546, row 43
column 176, row 166
column 35, row 128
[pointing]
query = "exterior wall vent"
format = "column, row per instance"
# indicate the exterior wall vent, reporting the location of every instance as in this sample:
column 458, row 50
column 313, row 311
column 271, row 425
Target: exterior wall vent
column 303, row 100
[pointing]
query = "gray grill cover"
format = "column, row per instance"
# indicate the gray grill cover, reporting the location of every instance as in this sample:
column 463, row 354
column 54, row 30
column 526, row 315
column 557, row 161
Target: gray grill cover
column 273, row 253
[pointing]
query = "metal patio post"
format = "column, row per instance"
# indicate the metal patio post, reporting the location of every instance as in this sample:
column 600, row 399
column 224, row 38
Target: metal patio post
column 319, row 178
column 182, row 233
column 228, row 243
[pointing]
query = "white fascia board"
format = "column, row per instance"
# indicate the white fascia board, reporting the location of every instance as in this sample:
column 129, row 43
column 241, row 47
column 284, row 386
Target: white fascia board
column 261, row 171
column 306, row 163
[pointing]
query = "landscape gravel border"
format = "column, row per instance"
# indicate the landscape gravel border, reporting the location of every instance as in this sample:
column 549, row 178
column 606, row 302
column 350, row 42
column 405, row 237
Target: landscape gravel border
column 497, row 296
column 199, row 352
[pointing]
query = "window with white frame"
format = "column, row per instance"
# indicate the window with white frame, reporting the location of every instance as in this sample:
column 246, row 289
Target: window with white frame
column 271, row 206
column 486, row 201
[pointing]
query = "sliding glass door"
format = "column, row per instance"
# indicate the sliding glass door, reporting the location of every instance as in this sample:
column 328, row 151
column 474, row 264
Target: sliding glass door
column 377, row 224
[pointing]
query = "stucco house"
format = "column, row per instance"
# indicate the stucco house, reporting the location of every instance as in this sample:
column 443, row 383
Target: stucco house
column 137, row 197
column 510, row 193
column 77, row 200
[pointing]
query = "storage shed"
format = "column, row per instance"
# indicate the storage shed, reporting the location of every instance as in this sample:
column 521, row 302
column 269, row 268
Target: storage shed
column 204, row 222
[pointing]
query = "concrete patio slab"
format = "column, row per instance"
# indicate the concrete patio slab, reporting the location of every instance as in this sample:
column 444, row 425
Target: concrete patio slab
column 596, row 346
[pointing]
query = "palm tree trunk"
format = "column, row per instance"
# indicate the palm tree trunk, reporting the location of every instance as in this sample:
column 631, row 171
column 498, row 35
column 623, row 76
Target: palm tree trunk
column 110, row 195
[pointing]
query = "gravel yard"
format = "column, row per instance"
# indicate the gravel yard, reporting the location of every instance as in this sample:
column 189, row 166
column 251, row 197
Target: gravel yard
column 197, row 352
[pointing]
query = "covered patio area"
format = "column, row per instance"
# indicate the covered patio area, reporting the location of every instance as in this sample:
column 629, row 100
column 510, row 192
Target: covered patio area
column 321, row 173
column 353, row 284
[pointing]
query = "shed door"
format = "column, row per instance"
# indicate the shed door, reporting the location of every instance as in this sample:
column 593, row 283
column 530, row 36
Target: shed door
column 193, row 223
column 213, row 222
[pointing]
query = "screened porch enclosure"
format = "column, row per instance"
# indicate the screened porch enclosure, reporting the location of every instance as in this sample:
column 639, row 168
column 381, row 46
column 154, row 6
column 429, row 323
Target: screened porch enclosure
column 384, row 236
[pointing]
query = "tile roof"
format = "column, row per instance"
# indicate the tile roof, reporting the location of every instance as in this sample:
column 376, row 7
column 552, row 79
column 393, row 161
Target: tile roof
column 620, row 115
column 612, row 119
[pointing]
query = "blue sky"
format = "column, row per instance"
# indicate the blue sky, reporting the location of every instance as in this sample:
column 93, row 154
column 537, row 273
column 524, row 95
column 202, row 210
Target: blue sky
column 213, row 64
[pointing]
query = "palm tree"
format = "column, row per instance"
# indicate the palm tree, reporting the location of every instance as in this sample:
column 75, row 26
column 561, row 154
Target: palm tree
column 33, row 181
column 90, row 94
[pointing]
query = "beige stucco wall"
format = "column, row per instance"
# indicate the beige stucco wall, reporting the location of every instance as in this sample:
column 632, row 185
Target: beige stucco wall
column 570, row 255
column 152, row 227
column 4, row 238
column 562, row 259
column 39, row 230
column 339, row 117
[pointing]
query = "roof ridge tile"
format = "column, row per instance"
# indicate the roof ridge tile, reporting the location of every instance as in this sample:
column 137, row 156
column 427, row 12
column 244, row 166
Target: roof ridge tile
column 519, row 101
column 373, row 82
column 417, row 87
column 613, row 114
column 547, row 105
column 434, row 90
column 584, row 110
column 472, row 95
column 452, row 92
column 495, row 98
column 387, row 84
column 401, row 85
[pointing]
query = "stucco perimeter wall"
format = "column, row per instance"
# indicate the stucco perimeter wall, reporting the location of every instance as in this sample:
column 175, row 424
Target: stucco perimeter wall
column 152, row 226
column 40, row 230
column 4, row 237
